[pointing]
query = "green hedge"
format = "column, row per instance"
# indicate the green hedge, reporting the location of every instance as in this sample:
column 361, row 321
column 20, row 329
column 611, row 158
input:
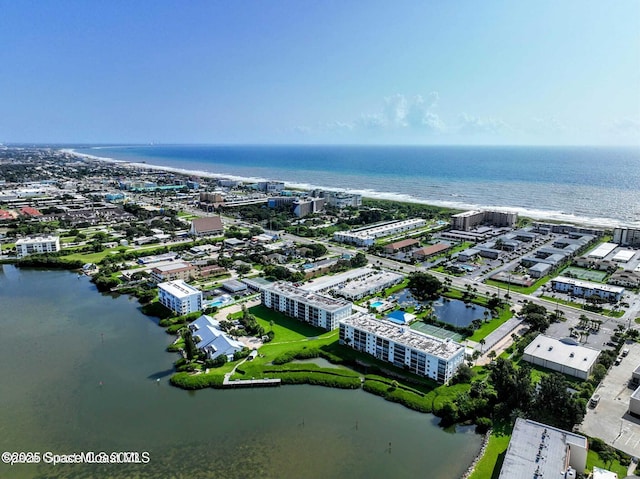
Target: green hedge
column 307, row 353
column 186, row 380
column 317, row 378
column 399, row 394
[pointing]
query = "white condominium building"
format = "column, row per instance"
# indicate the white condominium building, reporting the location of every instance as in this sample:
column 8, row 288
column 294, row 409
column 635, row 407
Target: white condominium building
column 180, row 297
column 402, row 346
column 37, row 245
column 317, row 310
column 366, row 236
column 586, row 289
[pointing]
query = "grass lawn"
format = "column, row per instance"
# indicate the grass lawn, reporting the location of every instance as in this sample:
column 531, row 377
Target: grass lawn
column 489, row 466
column 594, row 460
column 396, row 288
column 604, row 311
column 491, row 326
column 516, row 288
column 90, row 257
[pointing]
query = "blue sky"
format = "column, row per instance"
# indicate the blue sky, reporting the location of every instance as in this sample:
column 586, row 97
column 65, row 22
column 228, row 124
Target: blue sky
column 367, row 72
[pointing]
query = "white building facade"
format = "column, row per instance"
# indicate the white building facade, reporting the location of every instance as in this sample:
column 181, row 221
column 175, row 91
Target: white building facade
column 587, row 289
column 425, row 355
column 180, row 297
column 317, row 310
column 367, row 236
column 37, row 245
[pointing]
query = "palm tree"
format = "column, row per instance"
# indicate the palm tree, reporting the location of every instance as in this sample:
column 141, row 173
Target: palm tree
column 482, row 343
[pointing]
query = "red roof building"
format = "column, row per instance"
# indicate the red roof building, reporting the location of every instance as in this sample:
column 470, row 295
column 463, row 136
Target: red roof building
column 29, row 211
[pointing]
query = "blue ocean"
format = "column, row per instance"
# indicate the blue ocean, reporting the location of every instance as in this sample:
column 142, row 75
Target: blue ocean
column 595, row 185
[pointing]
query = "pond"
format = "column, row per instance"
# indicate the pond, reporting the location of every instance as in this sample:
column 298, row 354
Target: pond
column 450, row 311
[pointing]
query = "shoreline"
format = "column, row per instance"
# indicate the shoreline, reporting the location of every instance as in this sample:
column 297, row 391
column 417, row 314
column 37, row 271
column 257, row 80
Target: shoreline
column 535, row 214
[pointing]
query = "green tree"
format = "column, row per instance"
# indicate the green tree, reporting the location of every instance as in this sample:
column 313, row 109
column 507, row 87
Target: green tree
column 555, row 405
column 424, row 286
column 189, row 345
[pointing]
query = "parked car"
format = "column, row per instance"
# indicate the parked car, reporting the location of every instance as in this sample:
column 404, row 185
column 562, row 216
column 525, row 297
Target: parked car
column 593, row 402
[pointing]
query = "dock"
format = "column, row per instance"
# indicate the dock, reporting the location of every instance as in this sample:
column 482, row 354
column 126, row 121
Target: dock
column 249, row 383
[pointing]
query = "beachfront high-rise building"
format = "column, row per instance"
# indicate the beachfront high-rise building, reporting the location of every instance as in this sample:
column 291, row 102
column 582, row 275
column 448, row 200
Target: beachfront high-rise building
column 180, row 297
column 402, row 346
column 626, row 236
column 315, row 309
column 37, row 245
column 468, row 220
column 306, row 206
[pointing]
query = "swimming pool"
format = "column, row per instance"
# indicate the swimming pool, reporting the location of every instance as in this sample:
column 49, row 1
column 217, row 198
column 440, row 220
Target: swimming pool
column 377, row 304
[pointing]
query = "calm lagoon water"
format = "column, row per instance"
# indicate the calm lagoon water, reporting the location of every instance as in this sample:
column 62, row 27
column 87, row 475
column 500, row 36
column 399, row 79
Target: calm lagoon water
column 450, row 311
column 80, row 373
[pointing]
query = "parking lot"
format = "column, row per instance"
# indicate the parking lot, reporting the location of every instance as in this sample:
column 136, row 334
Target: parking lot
column 610, row 420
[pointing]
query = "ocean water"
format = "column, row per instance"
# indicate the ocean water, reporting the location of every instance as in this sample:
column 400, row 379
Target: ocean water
column 593, row 185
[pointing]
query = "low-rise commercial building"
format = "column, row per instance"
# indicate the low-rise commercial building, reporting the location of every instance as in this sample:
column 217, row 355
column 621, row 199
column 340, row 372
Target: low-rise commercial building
column 315, row 309
column 402, row 245
column 37, row 245
column 207, row 226
column 403, row 347
column 428, row 251
column 561, row 356
column 539, row 451
column 180, row 297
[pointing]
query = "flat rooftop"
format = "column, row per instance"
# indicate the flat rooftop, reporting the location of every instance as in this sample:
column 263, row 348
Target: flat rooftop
column 172, row 267
column 374, row 231
column 307, row 297
column 178, row 288
column 538, row 448
column 36, row 239
column 554, row 350
column 327, row 282
column 442, row 348
column 602, row 250
column 589, row 285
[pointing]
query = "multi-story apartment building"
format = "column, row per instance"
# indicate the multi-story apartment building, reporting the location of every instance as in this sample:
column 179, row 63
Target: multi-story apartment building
column 366, row 236
column 586, row 289
column 37, row 245
column 317, row 310
column 626, row 236
column 173, row 271
column 470, row 219
column 403, row 347
column 306, row 206
column 180, row 297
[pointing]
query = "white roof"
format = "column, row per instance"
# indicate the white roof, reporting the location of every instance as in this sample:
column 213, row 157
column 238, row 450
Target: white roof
column 178, row 288
column 37, row 239
column 554, row 350
column 624, row 255
column 599, row 473
column 440, row 348
column 589, row 285
column 602, row 250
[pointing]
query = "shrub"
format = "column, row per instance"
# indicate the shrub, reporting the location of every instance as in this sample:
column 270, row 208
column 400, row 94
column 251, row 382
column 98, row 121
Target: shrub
column 185, row 380
column 483, row 424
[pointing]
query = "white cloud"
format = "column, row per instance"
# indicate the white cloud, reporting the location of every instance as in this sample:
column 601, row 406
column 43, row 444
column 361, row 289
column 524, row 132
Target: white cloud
column 472, row 125
column 625, row 127
column 547, row 125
